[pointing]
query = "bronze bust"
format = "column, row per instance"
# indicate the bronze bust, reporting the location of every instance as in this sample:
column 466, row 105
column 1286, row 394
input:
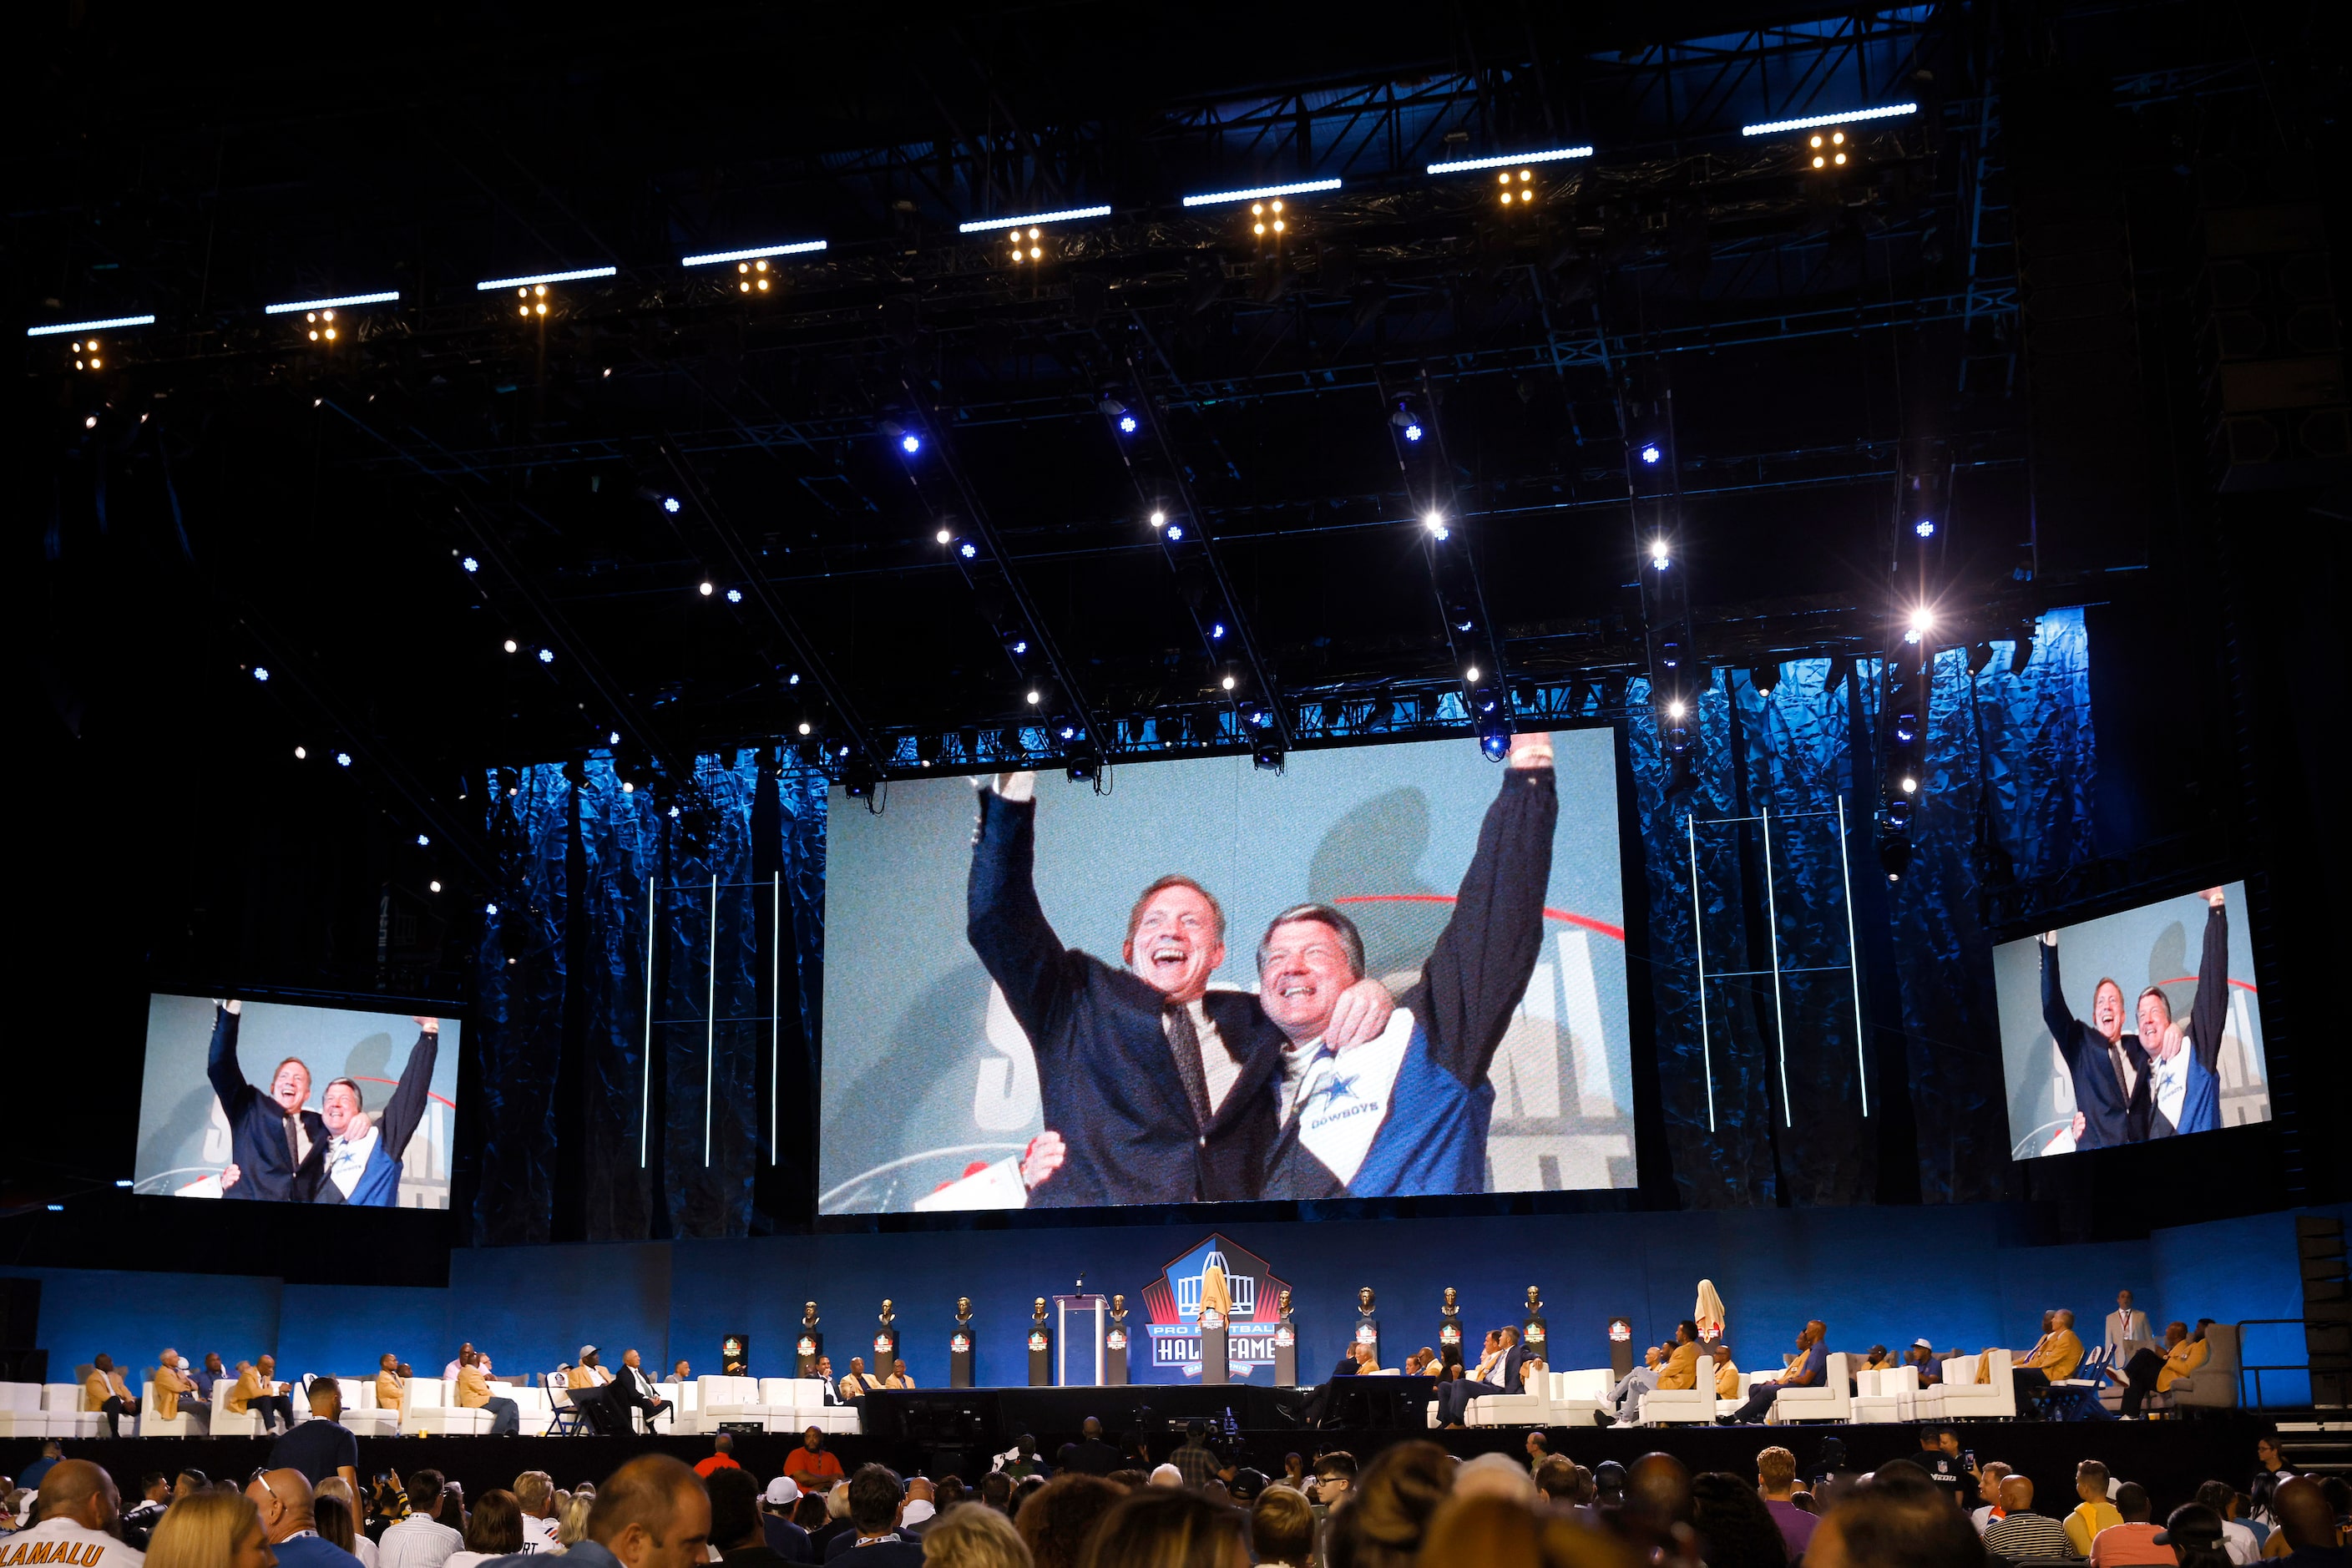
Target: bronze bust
column 964, row 1309
column 1039, row 1314
column 808, row 1316
column 1364, row 1301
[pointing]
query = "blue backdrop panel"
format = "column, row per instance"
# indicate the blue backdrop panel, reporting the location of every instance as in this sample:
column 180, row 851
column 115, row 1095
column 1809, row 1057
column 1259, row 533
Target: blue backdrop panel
column 131, row 1317
column 519, row 988
column 337, row 1330
column 621, row 851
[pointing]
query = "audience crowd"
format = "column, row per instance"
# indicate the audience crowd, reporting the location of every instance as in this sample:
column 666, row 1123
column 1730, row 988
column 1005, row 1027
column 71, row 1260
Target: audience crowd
column 1201, row 1505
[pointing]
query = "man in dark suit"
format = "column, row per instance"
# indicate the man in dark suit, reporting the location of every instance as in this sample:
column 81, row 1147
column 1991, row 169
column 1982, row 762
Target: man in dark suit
column 1159, row 1087
column 1090, row 1456
column 278, row 1149
column 2110, row 1068
column 632, row 1389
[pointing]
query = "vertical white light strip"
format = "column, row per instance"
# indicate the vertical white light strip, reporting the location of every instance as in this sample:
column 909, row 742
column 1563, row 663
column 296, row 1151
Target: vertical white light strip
column 1772, row 933
column 1698, row 944
column 710, row 1023
column 775, row 1002
column 1854, row 967
column 646, row 1098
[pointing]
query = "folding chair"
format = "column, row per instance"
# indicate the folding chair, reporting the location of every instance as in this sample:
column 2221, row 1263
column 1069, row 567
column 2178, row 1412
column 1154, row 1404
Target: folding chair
column 563, row 1420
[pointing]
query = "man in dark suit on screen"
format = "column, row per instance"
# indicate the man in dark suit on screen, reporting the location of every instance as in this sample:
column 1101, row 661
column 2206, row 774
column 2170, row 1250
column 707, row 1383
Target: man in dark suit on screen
column 278, row 1150
column 2110, row 1068
column 1159, row 1087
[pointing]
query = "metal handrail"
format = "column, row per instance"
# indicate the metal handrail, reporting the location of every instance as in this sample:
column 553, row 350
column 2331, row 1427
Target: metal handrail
column 2258, row 1369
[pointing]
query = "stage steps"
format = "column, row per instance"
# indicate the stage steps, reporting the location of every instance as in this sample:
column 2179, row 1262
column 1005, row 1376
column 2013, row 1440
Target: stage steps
column 2326, row 1309
column 2315, row 1442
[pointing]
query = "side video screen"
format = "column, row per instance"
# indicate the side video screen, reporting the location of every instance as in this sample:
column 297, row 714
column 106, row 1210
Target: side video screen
column 2138, row 1026
column 1388, row 970
column 285, row 1102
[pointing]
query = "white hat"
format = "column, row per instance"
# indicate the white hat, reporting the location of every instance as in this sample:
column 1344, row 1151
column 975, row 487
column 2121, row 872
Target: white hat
column 587, row 1351
column 784, row 1489
column 1921, row 1344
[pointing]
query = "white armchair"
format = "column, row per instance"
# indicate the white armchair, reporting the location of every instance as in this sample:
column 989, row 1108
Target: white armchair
column 1880, row 1395
column 1566, row 1399
column 732, row 1399
column 360, row 1412
column 153, row 1425
column 433, row 1410
column 21, row 1414
column 1830, row 1401
column 61, row 1402
column 228, row 1423
column 1960, row 1397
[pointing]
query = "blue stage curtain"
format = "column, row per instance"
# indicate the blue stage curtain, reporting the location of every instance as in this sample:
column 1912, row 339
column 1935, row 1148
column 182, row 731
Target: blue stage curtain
column 517, row 1030
column 673, row 1151
column 2015, row 751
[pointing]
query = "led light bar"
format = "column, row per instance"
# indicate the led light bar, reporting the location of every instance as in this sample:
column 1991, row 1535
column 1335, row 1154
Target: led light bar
column 386, row 297
column 1464, row 166
column 1067, row 215
column 1212, row 198
column 1885, row 111
column 799, row 247
column 486, row 284
column 62, row 328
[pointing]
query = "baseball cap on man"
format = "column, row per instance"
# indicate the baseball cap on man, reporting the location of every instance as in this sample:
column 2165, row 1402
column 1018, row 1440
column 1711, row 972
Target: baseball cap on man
column 587, row 1351
column 784, row 1489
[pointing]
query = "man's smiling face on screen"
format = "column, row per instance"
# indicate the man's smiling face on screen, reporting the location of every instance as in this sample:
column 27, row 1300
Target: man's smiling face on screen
column 1176, row 944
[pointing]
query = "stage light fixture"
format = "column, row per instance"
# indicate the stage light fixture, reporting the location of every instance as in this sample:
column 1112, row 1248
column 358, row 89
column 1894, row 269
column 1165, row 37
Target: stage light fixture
column 1830, row 153
column 1924, row 528
column 490, row 909
column 433, row 887
column 322, row 326
column 56, row 1208
column 804, row 727
column 1436, row 522
column 672, row 505
column 1893, row 856
column 1885, row 111
column 1980, row 655
column 343, row 759
column 734, row 596
column 90, row 422
column 1021, row 644
column 1267, row 754
column 1509, row 160
column 1067, row 215
column 1923, row 619
column 1175, row 531
column 261, row 672
column 1471, row 675
column 510, row 645
column 423, row 841
column 540, row 281
column 547, row 655
column 61, row 329
column 301, row 753
column 628, row 787
column 720, row 258
column 968, row 550
column 1228, row 683
column 1159, row 519
column 612, row 737
column 1266, row 216
column 1032, row 699
column 471, row 564
column 751, row 276
column 1649, row 453
column 1260, row 193
column 707, row 588
column 1494, row 737
column 1676, row 709
column 1765, row 678
column 91, row 361
column 1659, row 558
column 1521, row 193
column 1127, row 425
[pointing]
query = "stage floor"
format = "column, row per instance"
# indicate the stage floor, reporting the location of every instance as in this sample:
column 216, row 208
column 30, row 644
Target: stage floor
column 2170, row 1457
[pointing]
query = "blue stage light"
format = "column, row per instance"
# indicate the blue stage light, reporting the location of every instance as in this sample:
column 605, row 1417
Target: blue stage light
column 982, row 226
column 1770, row 127
column 968, row 550
column 1412, row 431
column 471, row 564
column 1216, row 628
column 59, row 329
column 486, row 284
column 547, row 655
column 291, row 306
column 1175, row 531
column 910, row 442
column 423, row 841
column 734, row 596
column 343, row 759
column 1468, row 166
column 719, row 257
column 1650, row 454
column 1924, row 528
column 1211, row 198
column 1022, row 646
column 260, row 672
column 1127, row 425
column 670, row 504
column 490, row 909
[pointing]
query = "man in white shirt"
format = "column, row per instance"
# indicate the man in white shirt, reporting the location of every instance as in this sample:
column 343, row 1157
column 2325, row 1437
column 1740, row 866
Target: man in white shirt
column 535, row 1493
column 420, row 1540
column 2126, row 1327
column 78, row 1503
column 449, row 1373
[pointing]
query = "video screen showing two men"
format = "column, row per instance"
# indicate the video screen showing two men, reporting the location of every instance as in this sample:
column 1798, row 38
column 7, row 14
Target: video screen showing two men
column 279, row 1102
column 1389, row 970
column 2132, row 1027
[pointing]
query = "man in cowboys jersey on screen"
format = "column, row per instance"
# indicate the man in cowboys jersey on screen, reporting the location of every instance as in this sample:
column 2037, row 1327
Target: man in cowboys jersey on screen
column 363, row 1155
column 1408, row 1112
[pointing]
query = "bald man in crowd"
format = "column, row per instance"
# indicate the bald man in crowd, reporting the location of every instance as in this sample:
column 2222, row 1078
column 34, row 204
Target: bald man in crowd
column 284, row 1500
column 652, row 1512
column 80, row 1509
column 2301, row 1507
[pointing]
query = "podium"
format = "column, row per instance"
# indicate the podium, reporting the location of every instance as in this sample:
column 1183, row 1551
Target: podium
column 1082, row 1315
column 1216, row 1348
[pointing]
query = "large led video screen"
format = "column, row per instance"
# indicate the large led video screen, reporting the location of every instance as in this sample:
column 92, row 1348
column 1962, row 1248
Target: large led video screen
column 288, row 1102
column 2132, row 1027
column 1041, row 995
